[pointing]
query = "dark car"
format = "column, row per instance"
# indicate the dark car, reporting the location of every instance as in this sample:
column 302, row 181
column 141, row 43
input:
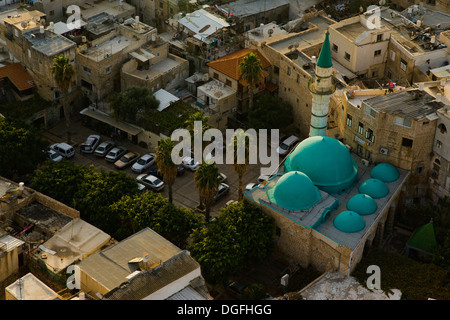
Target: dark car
column 221, row 191
column 104, row 147
column 155, row 172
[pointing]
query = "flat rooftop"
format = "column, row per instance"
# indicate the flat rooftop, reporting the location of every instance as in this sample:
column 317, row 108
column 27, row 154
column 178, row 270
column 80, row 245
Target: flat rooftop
column 107, row 48
column 31, row 288
column 30, row 18
column 245, row 8
column 305, row 38
column 113, row 7
column 308, row 218
column 48, row 43
column 411, row 104
column 156, row 70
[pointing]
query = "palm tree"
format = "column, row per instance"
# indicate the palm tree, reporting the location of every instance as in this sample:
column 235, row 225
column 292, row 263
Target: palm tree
column 189, row 125
column 207, row 183
column 252, row 72
column 165, row 164
column 63, row 73
column 240, row 168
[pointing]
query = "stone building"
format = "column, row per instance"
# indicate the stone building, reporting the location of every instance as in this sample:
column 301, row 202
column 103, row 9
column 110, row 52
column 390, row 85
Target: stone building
column 393, row 127
column 99, row 62
column 152, row 66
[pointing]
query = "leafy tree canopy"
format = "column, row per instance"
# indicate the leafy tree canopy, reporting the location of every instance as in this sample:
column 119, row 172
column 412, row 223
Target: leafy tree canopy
column 133, row 101
column 152, row 210
column 241, row 234
column 269, row 112
column 21, row 149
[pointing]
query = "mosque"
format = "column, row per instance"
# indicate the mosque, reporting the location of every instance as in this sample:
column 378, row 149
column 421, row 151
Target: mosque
column 329, row 206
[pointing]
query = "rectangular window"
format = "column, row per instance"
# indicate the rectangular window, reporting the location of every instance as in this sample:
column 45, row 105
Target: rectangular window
column 379, row 37
column 298, row 78
column 360, row 128
column 407, row 142
column 403, row 65
column 289, row 71
column 108, row 70
column 368, row 110
column 392, row 55
column 349, row 120
column 216, row 76
column 347, row 56
column 370, row 136
column 438, row 144
column 228, row 82
column 377, row 53
column 335, row 48
column 276, row 70
column 87, row 70
column 399, row 121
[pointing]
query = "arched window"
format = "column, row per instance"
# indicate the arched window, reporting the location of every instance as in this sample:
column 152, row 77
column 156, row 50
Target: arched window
column 442, row 128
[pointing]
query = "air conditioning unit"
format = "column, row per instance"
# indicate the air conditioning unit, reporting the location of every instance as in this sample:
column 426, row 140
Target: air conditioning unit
column 383, row 151
column 365, row 162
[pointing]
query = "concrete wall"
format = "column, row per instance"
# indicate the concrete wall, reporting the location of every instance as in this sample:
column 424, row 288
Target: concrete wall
column 9, row 263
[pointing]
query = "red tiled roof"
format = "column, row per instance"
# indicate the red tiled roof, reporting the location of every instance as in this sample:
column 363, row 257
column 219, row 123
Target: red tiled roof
column 229, row 64
column 19, row 77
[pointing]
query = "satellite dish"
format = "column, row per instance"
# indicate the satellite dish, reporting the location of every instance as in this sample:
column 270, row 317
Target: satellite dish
column 23, row 24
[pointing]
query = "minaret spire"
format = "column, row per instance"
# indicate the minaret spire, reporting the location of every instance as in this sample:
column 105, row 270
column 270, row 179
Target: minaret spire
column 322, row 88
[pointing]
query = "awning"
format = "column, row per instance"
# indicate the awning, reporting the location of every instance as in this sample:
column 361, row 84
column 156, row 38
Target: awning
column 102, row 117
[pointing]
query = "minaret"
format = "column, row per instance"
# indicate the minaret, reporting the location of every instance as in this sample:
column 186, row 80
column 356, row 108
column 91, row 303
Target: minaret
column 322, row 88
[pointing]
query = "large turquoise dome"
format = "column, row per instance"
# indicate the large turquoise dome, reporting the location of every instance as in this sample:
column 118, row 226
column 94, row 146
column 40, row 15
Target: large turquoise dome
column 349, row 221
column 385, row 172
column 374, row 188
column 326, row 161
column 362, row 204
column 294, row 191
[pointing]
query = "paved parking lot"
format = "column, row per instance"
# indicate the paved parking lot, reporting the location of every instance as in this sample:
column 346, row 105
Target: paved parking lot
column 184, row 190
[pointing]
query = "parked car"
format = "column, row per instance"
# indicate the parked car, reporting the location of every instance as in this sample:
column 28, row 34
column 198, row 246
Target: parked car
column 90, row 144
column 115, row 154
column 150, row 181
column 64, row 149
column 190, row 163
column 53, row 156
column 286, row 145
column 104, row 147
column 250, row 186
column 155, row 172
column 141, row 187
column 143, row 163
column 221, row 191
column 126, row 160
column 222, row 178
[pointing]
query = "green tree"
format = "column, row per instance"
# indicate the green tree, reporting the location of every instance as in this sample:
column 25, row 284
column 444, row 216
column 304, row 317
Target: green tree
column 240, row 167
column 189, row 124
column 134, row 102
column 165, row 164
column 21, row 149
column 270, row 112
column 251, row 72
column 241, row 235
column 60, row 181
column 63, row 73
column 207, row 183
column 150, row 209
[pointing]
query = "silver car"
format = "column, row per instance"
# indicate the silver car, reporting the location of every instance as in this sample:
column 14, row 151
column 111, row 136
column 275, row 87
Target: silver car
column 116, row 153
column 104, row 147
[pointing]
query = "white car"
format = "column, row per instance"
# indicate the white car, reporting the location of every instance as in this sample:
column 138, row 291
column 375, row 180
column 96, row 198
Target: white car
column 144, row 162
column 150, row 181
column 286, row 145
column 54, row 156
column 190, row 163
column 90, row 144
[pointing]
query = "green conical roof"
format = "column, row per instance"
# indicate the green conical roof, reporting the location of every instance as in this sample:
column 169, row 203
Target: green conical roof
column 324, row 60
column 424, row 238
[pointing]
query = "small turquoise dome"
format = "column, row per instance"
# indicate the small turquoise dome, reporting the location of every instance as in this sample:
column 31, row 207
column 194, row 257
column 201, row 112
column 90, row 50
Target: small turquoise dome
column 374, row 188
column 294, row 191
column 362, row 204
column 385, row 172
column 326, row 161
column 349, row 221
